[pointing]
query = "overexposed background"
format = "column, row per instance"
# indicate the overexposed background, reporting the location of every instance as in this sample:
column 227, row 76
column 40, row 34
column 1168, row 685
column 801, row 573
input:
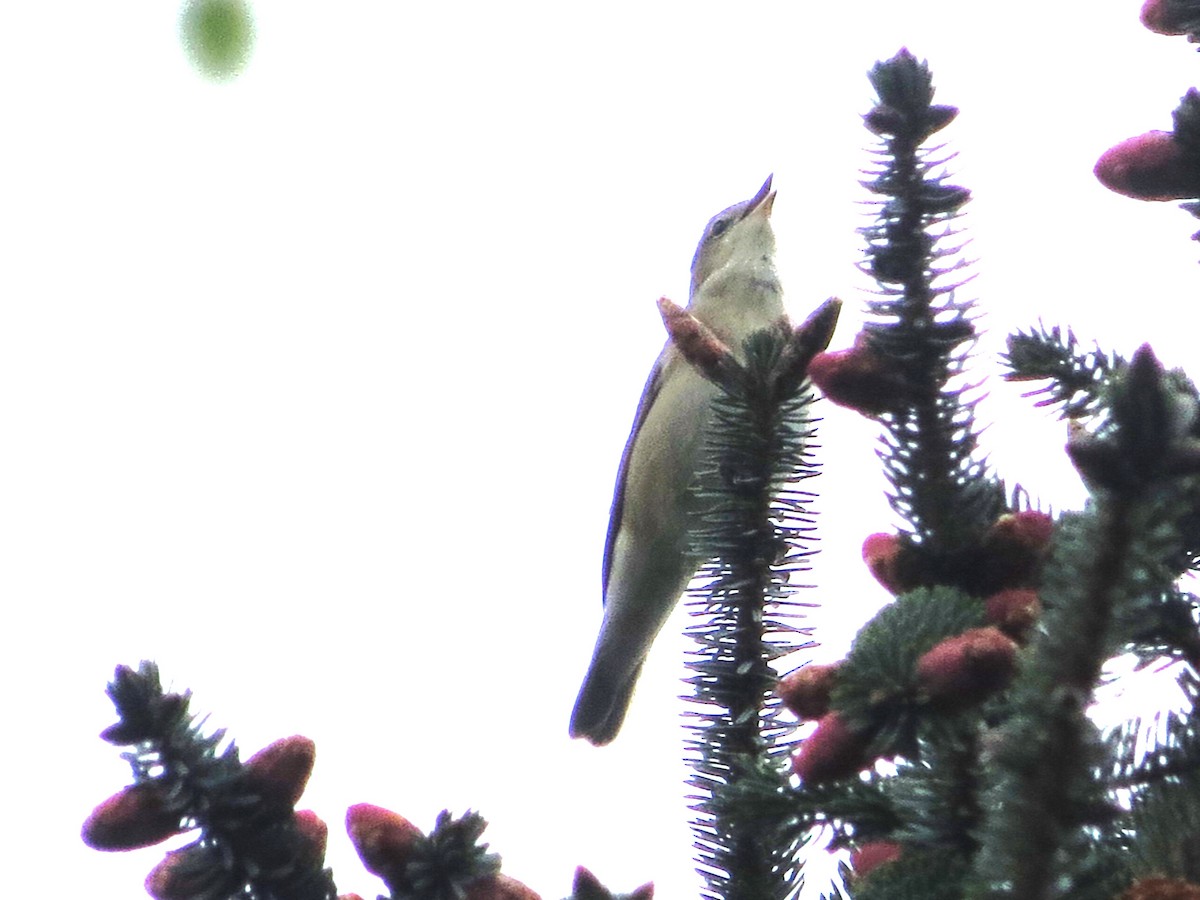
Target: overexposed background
column 313, row 384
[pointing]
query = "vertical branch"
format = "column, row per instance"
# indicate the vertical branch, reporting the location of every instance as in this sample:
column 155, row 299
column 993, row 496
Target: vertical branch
column 752, row 527
column 922, row 333
column 1044, row 793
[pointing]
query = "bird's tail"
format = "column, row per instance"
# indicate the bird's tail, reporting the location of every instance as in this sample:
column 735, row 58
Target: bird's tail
column 602, row 703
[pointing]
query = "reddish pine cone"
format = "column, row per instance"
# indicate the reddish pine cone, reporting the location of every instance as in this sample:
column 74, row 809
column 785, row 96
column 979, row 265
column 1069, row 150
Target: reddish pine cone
column 1014, row 611
column 696, row 341
column 132, row 818
column 1170, row 17
column 884, row 555
column 1151, row 166
column 831, row 752
column 314, row 831
column 962, row 670
column 1016, row 546
column 1161, row 889
column 805, row 691
column 804, row 342
column 872, row 856
column 859, row 379
column 280, row 770
column 499, row 887
column 588, row 887
column 177, row 878
column 1028, row 529
column 384, row 839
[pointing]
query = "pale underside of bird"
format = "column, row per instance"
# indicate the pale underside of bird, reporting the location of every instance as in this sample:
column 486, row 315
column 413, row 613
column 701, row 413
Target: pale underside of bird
column 648, row 560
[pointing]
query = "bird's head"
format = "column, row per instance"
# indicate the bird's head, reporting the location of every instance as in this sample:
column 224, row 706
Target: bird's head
column 740, row 234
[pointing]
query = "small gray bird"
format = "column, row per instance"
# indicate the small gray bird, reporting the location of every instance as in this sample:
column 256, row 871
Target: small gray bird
column 647, row 564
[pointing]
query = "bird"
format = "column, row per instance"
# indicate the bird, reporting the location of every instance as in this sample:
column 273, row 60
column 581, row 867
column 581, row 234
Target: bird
column 648, row 560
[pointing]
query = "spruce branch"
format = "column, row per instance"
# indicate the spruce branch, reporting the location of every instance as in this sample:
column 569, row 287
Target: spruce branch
column 1158, row 628
column 448, row 863
column 916, row 874
column 1043, row 797
column 906, row 366
column 588, row 887
column 755, row 528
column 878, row 688
column 929, row 668
column 1077, row 379
column 443, row 864
column 938, row 789
column 252, row 844
column 1165, row 818
column 1145, row 753
column 855, row 809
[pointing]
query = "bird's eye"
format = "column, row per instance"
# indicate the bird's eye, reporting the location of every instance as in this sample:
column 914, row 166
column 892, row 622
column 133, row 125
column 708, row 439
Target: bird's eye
column 719, row 227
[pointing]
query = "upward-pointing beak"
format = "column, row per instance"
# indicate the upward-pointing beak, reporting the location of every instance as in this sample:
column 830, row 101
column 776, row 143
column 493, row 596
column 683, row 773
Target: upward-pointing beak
column 761, row 203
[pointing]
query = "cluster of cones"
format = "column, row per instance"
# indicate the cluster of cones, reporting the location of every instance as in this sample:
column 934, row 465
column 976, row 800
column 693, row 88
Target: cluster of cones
column 957, row 673
column 388, row 844
column 1161, row 165
column 960, row 671
column 143, row 814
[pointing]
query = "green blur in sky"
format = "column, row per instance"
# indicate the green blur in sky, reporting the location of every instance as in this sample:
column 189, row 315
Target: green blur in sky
column 218, row 36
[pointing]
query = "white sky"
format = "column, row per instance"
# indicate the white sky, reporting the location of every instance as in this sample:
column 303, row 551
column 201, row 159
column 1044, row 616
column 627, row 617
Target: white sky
column 313, row 385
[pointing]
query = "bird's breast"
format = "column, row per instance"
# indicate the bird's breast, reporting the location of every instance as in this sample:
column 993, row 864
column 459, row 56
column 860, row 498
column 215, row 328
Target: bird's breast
column 736, row 303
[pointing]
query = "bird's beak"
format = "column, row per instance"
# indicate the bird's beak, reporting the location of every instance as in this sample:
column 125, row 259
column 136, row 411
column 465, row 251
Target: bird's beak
column 761, row 203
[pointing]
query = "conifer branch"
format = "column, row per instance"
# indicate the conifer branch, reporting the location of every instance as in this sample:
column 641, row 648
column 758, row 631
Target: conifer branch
column 755, row 529
column 920, row 330
column 1076, row 379
column 1044, row 795
column 252, row 844
column 906, row 366
column 1166, row 746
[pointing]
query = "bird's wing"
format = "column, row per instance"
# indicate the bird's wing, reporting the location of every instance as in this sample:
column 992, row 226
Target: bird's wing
column 649, row 394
